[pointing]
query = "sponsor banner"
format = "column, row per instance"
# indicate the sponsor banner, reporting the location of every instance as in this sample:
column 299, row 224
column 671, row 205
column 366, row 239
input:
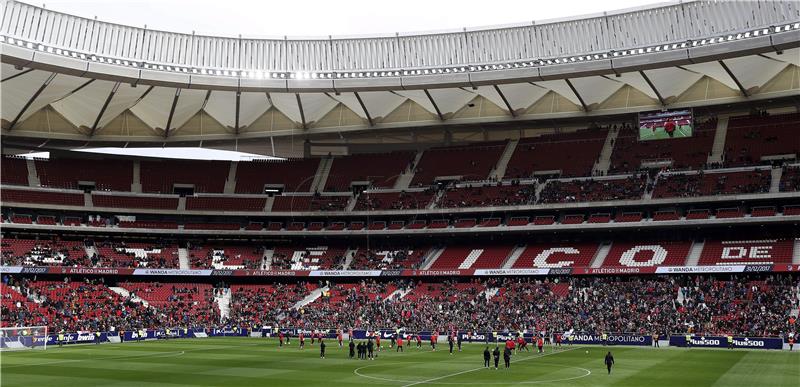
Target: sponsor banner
column 614, row 270
column 391, row 273
column 433, row 273
column 223, row 272
column 10, row 269
column 611, row 339
column 344, row 273
column 786, row 268
column 722, row 342
column 90, row 271
column 700, row 269
column 271, row 273
column 561, row 271
column 171, row 272
column 484, row 272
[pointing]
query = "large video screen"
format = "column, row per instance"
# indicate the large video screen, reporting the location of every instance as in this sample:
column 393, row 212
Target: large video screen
column 665, row 124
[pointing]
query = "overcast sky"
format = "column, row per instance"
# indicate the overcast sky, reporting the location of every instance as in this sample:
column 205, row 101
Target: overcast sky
column 270, row 18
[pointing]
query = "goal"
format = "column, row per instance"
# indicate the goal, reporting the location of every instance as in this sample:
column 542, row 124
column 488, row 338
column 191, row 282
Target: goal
column 17, row 338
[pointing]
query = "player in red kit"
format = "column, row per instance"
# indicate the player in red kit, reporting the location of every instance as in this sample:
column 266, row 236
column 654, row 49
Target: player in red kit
column 302, row 339
column 522, row 344
column 378, row 341
column 540, row 343
column 280, row 339
column 339, row 337
column 669, row 127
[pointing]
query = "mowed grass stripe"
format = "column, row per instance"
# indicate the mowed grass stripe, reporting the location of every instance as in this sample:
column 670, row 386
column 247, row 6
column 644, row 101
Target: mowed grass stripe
column 251, row 361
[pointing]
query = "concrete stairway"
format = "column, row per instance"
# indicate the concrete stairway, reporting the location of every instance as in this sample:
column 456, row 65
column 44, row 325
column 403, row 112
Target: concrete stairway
column 604, row 162
column 718, row 149
column 268, row 203
column 348, row 258
column 470, row 259
column 398, row 294
column 182, row 203
column 183, row 258
column 321, row 177
column 90, row 251
column 266, row 261
column 600, row 255
column 223, row 300
column 430, row 257
column 694, row 253
column 124, row 293
column 230, row 183
column 775, row 184
column 351, row 203
column 311, row 297
column 33, row 177
column 796, row 254
column 136, row 184
column 87, row 199
column 404, row 180
column 513, row 256
column 500, row 169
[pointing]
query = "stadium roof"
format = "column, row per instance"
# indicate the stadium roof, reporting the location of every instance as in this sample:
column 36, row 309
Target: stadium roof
column 70, row 78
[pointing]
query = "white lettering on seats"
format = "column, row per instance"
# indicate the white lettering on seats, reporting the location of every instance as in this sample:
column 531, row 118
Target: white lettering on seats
column 541, row 258
column 739, row 252
column 628, row 257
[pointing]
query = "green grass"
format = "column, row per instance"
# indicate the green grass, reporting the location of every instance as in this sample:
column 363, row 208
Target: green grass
column 660, row 134
column 252, row 362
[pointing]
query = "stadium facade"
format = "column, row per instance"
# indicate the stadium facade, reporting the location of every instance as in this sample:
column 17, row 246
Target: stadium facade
column 472, row 168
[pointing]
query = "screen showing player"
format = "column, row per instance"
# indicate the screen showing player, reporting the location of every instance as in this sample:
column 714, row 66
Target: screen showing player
column 665, row 124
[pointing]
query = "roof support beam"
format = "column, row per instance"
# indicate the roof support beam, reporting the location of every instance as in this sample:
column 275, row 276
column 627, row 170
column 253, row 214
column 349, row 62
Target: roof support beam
column 435, row 106
column 575, row 91
column 238, row 104
column 652, row 87
column 735, row 80
column 21, row 73
column 30, row 100
column 505, row 101
column 172, row 112
column 302, row 114
column 103, row 109
column 364, row 108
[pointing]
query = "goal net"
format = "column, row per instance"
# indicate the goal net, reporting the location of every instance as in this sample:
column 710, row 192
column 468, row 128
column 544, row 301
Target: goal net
column 16, row 338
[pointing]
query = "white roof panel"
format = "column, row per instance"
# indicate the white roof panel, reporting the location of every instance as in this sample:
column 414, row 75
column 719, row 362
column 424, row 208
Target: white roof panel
column 82, row 107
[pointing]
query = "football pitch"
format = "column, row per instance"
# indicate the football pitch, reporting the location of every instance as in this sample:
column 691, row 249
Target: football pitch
column 259, row 362
column 646, row 134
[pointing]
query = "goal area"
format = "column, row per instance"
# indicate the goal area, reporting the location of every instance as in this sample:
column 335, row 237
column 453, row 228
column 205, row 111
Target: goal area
column 19, row 338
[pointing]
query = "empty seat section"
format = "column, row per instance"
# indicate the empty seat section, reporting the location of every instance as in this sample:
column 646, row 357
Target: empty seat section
column 310, row 203
column 138, row 201
column 405, row 200
column 750, row 138
column 705, row 184
column 574, row 154
column 381, row 169
column 107, row 174
column 14, row 171
column 624, row 254
column 225, row 203
column 790, row 179
column 490, row 195
column 470, row 162
column 42, row 197
column 205, row 176
column 295, row 175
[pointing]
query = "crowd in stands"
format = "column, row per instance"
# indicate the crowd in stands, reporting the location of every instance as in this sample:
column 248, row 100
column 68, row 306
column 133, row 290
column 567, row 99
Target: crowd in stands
column 404, row 200
column 754, row 305
column 589, row 190
column 28, row 252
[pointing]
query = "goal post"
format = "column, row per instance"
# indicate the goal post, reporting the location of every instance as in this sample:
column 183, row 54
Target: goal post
column 18, row 338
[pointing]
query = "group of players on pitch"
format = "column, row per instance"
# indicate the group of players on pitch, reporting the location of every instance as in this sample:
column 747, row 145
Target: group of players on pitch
column 398, row 341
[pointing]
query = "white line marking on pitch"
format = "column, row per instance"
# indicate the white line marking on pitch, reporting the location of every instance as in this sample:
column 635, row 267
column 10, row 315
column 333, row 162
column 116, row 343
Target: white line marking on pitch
column 480, row 368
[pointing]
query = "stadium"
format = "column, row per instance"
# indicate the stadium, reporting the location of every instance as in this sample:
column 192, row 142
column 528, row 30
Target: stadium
column 607, row 199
